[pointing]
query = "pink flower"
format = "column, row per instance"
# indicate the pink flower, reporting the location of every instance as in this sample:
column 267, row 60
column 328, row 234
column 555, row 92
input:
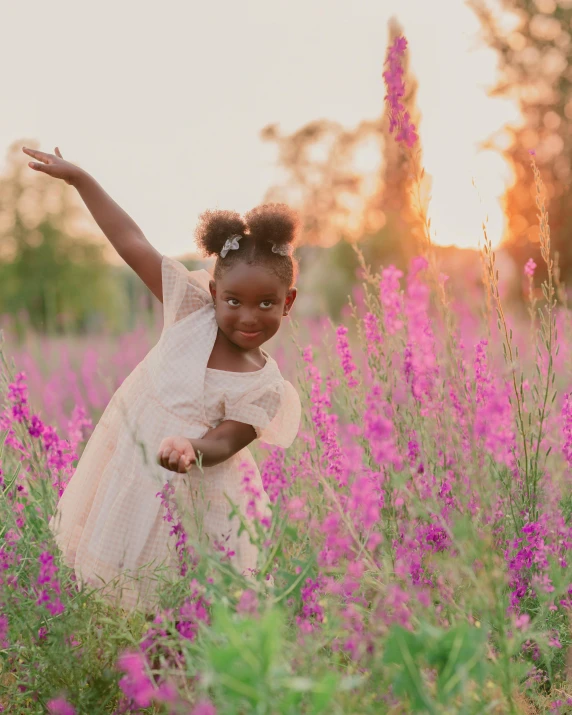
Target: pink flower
column 391, row 300
column 136, row 684
column 567, row 428
column 47, row 579
column 398, row 118
column 407, row 132
column 324, row 422
column 60, row 706
column 379, row 430
column 193, row 612
column 296, row 508
column 529, row 268
column 312, row 612
column 522, row 621
column 372, row 333
column 344, row 352
column 365, row 501
column 248, row 603
column 204, row 707
column 4, row 631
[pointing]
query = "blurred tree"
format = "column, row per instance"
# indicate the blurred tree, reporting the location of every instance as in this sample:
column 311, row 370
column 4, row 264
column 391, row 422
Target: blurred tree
column 52, row 276
column 532, row 39
column 352, row 184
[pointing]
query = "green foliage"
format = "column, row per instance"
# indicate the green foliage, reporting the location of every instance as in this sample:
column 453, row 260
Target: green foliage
column 52, row 277
column 60, row 283
column 457, row 655
column 248, row 667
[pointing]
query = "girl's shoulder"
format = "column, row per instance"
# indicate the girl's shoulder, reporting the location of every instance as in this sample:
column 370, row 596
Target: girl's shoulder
column 175, row 272
column 184, row 291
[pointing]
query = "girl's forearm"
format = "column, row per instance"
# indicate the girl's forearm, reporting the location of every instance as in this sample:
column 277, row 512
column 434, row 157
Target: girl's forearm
column 214, row 451
column 121, row 230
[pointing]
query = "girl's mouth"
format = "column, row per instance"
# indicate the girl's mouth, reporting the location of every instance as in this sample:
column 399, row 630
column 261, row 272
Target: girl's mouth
column 250, row 335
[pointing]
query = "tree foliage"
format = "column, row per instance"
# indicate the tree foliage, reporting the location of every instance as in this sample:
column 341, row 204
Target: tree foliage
column 533, row 41
column 53, row 276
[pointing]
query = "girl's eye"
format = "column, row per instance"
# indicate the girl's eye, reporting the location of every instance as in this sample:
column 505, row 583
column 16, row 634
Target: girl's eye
column 234, row 303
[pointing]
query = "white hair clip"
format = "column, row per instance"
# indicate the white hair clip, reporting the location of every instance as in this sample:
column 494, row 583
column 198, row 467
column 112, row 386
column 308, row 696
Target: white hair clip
column 231, row 244
column 282, row 248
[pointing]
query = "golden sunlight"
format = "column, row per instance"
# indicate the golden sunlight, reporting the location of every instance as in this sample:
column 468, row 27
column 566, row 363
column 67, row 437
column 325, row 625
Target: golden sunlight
column 461, row 201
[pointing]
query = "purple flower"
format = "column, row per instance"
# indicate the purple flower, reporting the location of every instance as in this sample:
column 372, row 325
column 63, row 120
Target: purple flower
column 135, row 684
column 344, row 352
column 391, row 300
column 529, row 268
column 60, row 706
column 567, row 428
column 36, row 427
column 372, row 333
column 399, row 118
column 4, row 631
column 248, row 603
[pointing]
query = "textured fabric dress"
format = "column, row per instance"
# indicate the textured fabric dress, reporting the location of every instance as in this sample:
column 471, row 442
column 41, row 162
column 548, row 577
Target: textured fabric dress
column 109, row 521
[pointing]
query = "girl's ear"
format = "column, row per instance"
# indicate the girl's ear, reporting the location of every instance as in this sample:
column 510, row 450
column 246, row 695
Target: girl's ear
column 212, row 288
column 289, row 302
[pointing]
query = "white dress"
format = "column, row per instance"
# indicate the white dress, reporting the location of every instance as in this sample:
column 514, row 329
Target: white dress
column 109, row 520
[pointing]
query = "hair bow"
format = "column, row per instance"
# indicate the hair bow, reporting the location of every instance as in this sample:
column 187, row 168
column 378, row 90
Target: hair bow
column 231, row 244
column 282, row 248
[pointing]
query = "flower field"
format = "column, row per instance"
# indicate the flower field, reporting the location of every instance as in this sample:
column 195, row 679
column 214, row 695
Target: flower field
column 418, row 553
column 418, row 543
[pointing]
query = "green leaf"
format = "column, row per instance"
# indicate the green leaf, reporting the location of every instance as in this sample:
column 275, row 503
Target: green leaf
column 402, row 650
column 323, row 693
column 457, row 655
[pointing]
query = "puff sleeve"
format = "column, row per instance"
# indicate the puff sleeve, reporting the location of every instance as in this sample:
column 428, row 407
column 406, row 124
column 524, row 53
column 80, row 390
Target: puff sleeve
column 273, row 410
column 184, row 291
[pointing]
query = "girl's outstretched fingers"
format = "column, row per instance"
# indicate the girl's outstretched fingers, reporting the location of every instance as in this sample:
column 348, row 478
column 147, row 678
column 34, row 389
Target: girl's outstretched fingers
column 39, row 155
column 52, row 164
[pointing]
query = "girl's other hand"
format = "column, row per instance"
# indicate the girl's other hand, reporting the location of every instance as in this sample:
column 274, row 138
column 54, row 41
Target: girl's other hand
column 176, row 454
column 53, row 165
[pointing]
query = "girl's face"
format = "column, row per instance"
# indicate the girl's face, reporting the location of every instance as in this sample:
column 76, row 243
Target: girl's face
column 250, row 301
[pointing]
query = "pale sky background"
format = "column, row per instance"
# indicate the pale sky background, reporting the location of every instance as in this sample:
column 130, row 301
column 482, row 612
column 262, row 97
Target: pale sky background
column 162, row 102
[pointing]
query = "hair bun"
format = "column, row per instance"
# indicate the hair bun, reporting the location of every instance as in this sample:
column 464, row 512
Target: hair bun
column 273, row 224
column 215, row 227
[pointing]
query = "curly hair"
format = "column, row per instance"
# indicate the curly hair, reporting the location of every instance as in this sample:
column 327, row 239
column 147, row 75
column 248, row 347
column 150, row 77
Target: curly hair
column 260, row 229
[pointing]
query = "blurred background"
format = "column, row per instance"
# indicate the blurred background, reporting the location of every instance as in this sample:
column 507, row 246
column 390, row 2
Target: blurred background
column 179, row 107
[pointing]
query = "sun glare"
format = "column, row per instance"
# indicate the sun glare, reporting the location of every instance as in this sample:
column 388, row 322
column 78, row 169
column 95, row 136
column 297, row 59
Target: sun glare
column 463, row 198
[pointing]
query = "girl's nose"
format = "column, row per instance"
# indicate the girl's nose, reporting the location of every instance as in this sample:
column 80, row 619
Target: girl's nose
column 248, row 319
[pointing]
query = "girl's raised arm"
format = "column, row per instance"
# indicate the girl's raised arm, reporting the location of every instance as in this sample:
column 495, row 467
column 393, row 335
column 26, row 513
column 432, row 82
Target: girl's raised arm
column 123, row 233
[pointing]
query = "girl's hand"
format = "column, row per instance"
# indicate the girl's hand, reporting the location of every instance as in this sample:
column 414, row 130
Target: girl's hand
column 176, row 454
column 53, row 164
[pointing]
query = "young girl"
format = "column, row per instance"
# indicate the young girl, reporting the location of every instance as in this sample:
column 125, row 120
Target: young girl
column 206, row 388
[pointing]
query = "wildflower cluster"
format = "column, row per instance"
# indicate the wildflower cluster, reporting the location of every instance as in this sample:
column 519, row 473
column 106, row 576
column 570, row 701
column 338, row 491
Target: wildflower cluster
column 399, row 119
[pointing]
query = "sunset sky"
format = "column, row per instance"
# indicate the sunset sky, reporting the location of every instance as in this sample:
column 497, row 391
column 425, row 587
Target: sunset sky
column 163, row 102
